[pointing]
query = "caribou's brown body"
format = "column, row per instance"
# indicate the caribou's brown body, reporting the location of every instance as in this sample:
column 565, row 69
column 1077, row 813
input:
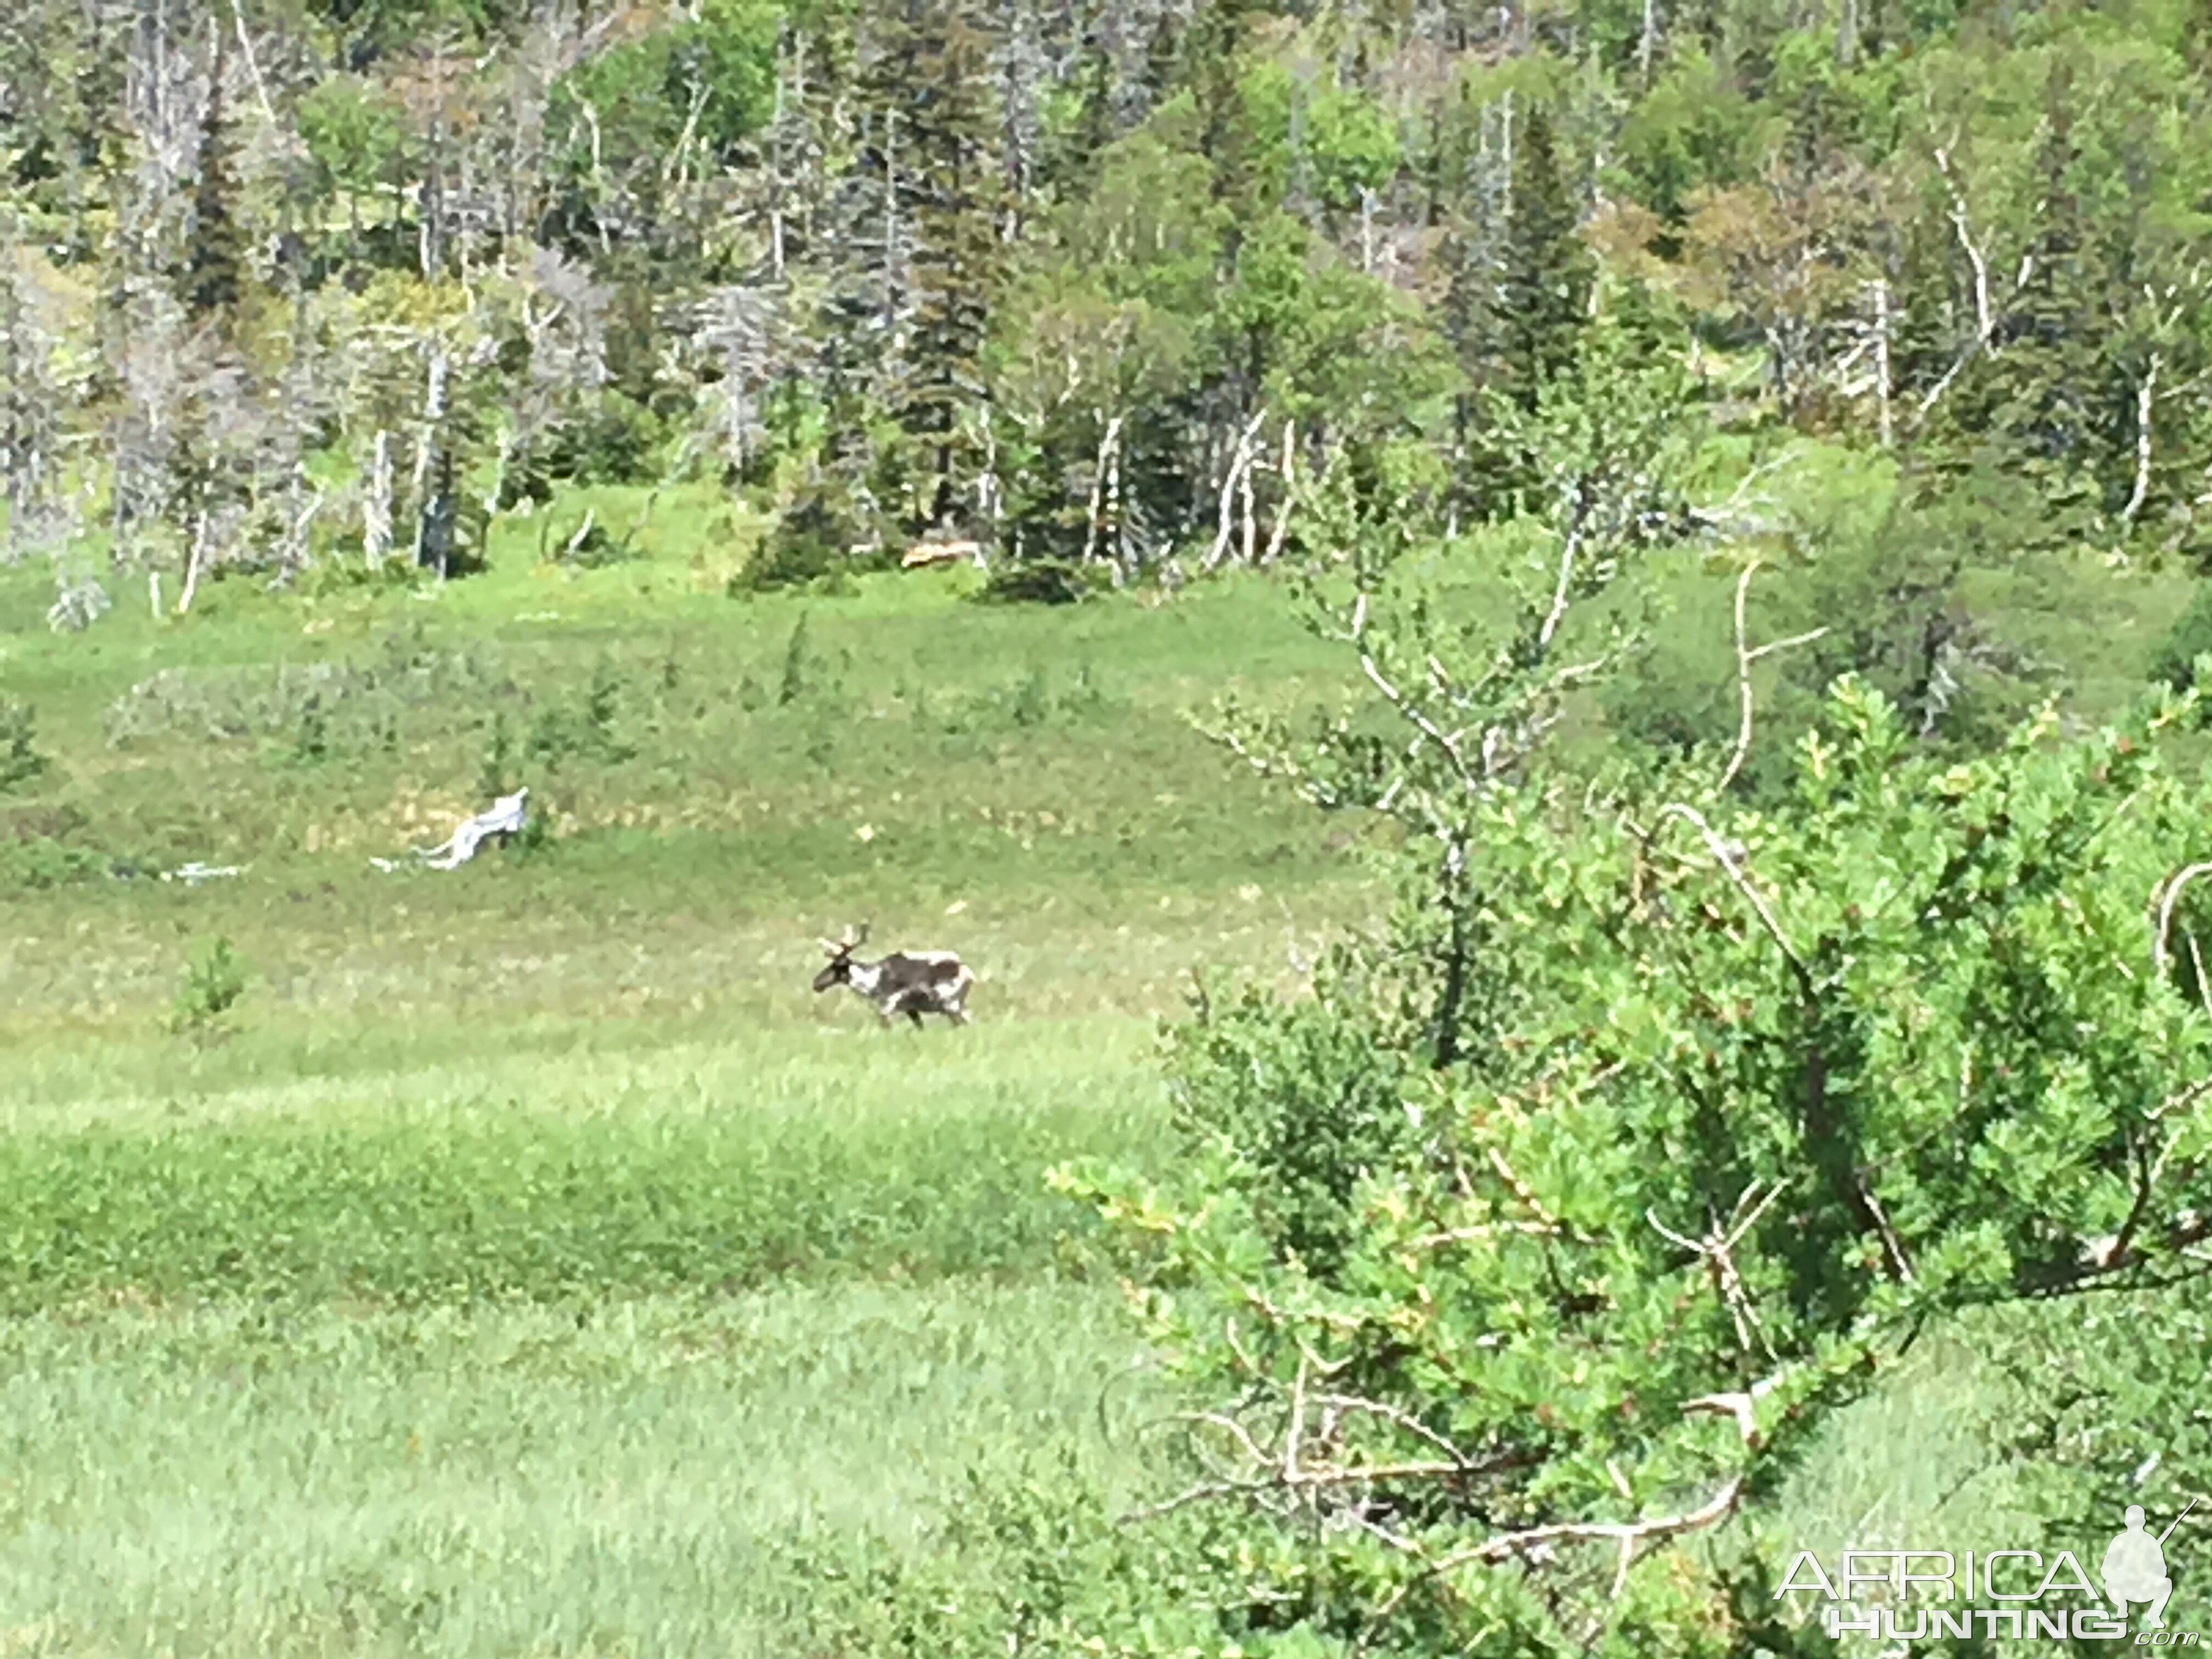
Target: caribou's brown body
column 909, row 983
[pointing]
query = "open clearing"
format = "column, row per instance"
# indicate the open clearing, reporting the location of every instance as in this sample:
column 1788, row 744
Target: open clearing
column 529, row 1263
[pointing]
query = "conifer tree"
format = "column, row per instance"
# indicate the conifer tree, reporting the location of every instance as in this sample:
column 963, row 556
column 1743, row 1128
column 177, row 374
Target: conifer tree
column 2031, row 404
column 1543, row 292
column 936, row 71
column 215, row 267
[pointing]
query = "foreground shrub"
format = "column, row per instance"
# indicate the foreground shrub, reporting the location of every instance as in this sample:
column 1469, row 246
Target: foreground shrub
column 1713, row 1109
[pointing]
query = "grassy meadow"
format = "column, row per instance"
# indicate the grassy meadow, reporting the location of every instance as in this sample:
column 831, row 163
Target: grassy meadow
column 527, row 1262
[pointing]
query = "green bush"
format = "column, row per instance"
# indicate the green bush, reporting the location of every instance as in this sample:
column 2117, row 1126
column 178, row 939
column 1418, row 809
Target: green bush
column 612, row 439
column 21, row 763
column 809, row 548
column 214, row 982
column 1312, row 1096
column 583, row 729
column 36, row 862
column 2175, row 661
column 1039, row 581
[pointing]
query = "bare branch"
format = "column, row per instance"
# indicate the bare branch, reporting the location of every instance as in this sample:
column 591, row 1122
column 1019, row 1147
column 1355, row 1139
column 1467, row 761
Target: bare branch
column 1744, row 657
column 2145, row 393
column 2169, row 898
column 1984, row 322
column 1570, row 545
column 1722, row 852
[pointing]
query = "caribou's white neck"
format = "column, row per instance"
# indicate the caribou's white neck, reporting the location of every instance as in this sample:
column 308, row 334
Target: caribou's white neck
column 866, row 977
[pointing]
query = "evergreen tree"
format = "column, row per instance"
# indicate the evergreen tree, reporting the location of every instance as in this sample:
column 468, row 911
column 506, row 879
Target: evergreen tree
column 948, row 171
column 215, row 267
column 1212, row 49
column 2033, row 404
column 1543, row 292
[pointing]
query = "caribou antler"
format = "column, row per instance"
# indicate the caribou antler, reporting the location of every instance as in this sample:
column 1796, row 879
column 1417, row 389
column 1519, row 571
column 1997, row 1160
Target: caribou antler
column 850, row 942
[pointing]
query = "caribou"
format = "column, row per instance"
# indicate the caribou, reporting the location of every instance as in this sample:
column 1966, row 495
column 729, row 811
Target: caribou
column 909, row 983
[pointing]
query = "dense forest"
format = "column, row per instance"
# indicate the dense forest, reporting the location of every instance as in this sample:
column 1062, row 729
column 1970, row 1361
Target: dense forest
column 298, row 284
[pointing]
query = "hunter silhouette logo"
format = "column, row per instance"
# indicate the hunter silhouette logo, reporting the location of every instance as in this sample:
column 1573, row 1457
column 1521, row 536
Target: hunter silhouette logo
column 1998, row 1595
column 2135, row 1567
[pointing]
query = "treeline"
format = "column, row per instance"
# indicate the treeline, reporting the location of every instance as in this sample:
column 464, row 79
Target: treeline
column 298, row 283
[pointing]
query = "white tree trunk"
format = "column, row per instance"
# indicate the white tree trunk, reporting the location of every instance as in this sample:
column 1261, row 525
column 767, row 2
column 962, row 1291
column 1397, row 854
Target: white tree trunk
column 1108, row 444
column 2146, row 395
column 1282, row 529
column 376, row 506
column 1882, row 328
column 1239, row 459
column 194, row 563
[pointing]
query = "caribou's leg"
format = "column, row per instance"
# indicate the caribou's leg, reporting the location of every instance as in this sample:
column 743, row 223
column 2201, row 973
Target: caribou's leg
column 913, row 1014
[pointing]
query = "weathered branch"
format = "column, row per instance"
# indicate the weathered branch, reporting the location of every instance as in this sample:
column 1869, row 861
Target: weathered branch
column 1744, row 657
column 2169, row 898
column 1722, row 852
column 2145, row 393
column 1240, row 459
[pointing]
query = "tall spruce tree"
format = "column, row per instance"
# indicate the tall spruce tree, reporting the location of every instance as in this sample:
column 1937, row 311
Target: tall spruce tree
column 933, row 83
column 215, row 266
column 2036, row 404
column 1543, row 290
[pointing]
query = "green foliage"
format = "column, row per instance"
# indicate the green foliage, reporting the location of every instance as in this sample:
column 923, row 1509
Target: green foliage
column 214, row 983
column 809, row 548
column 1683, row 1050
column 1039, row 581
column 217, row 270
column 613, row 439
column 21, row 761
column 35, row 862
column 355, row 132
column 499, row 776
column 2190, row 639
column 798, row 674
column 1042, row 1565
column 1900, row 608
column 582, row 730
column 1313, row 1100
column 1326, row 140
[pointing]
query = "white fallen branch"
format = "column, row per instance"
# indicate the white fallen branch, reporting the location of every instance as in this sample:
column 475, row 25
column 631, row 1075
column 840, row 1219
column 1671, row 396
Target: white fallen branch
column 505, row 817
column 194, row 873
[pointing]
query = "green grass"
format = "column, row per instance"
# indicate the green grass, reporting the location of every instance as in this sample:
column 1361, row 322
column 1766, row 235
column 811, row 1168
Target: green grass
column 609, row 1477
column 691, row 1169
column 529, row 1259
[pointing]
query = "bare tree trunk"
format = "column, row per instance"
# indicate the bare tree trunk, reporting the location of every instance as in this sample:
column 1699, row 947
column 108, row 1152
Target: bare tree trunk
column 1239, row 459
column 253, row 68
column 986, row 485
column 777, row 178
column 1251, row 529
column 194, row 562
column 2146, row 395
column 1123, row 566
column 1280, row 533
column 376, row 508
column 434, row 514
column 1882, row 384
column 1647, row 42
column 1108, row 445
